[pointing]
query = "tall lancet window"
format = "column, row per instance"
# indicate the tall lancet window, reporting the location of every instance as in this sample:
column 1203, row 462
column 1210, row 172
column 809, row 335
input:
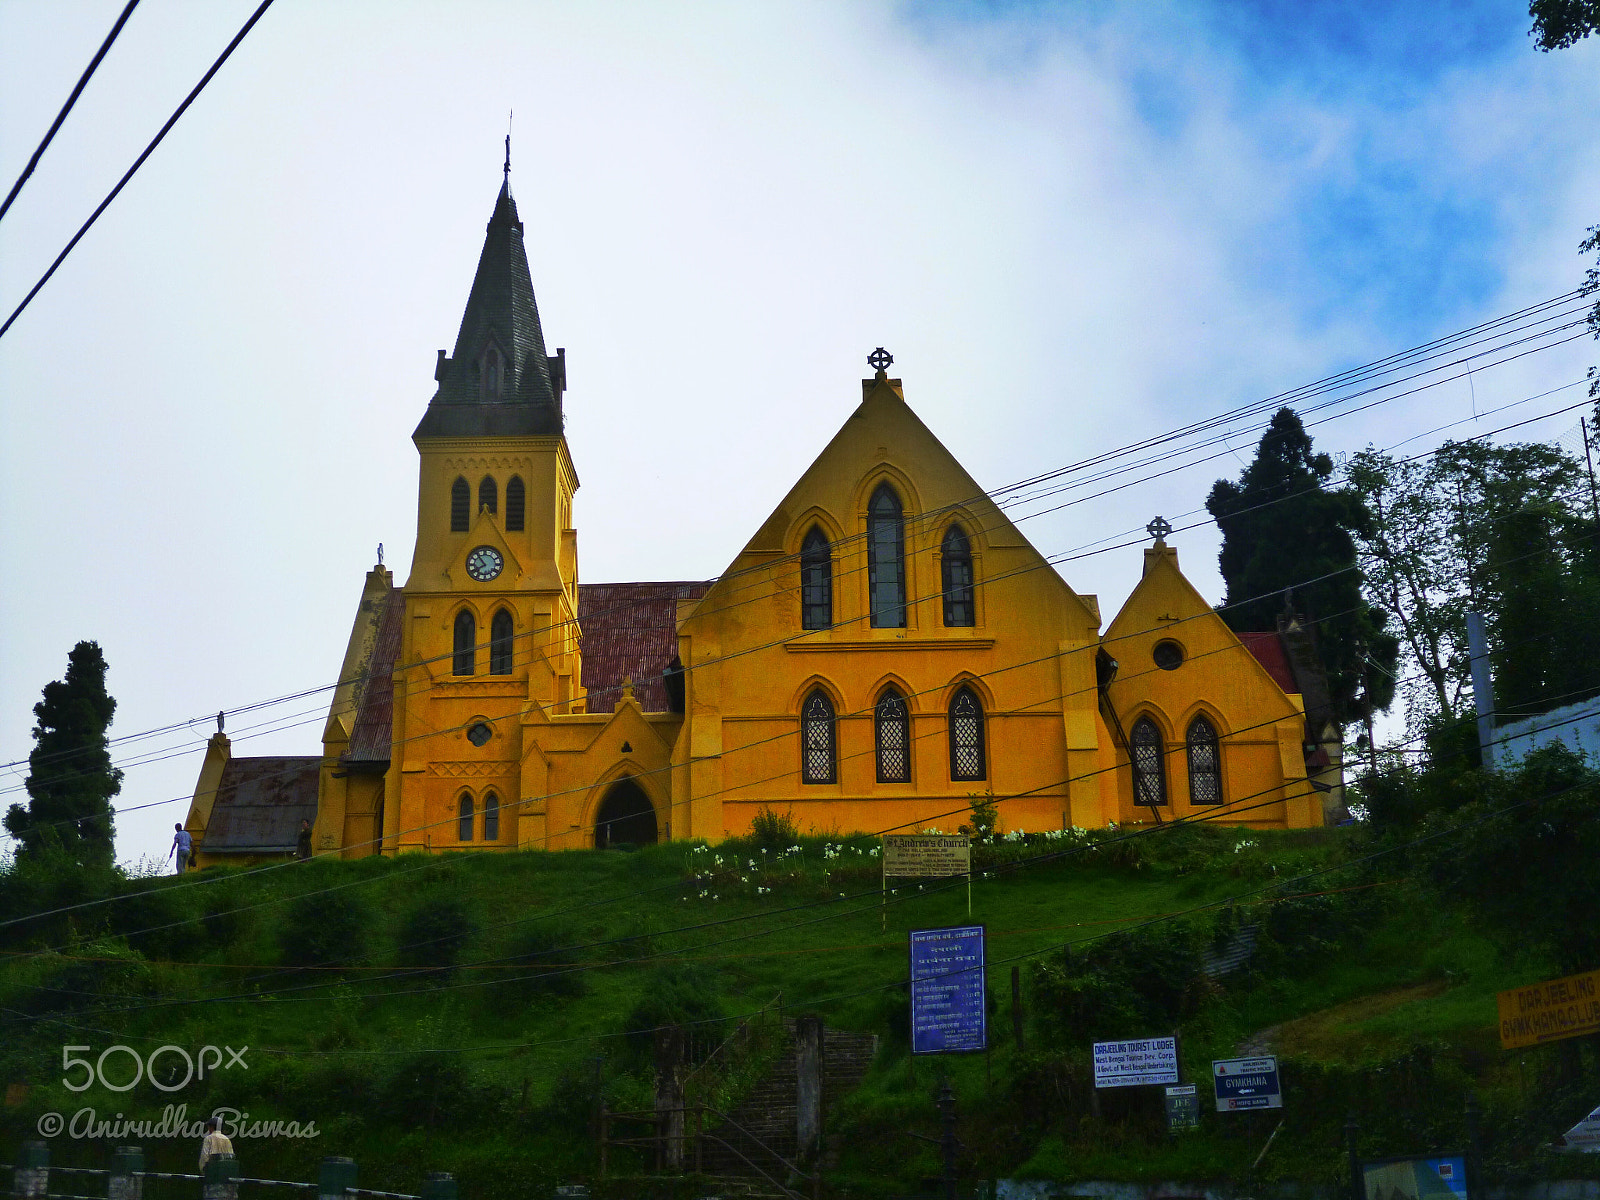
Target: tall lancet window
column 466, row 644
column 1205, row 763
column 516, row 502
column 464, row 814
column 955, row 567
column 816, row 582
column 491, row 818
column 886, row 559
column 501, row 642
column 1149, row 763
column 893, row 735
column 817, row 752
column 966, row 737
column 488, row 495
column 460, row 505
column 494, row 372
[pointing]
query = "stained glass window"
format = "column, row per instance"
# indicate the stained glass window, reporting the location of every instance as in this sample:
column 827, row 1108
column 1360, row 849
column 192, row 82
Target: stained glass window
column 817, row 739
column 466, row 643
column 966, row 737
column 1149, row 767
column 1205, row 763
column 955, row 569
column 893, row 738
column 816, row 582
column 886, row 559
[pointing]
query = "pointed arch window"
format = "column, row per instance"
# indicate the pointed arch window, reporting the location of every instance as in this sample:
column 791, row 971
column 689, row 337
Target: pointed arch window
column 501, row 642
column 491, row 817
column 818, row 752
column 516, row 502
column 955, row 570
column 460, row 505
column 966, row 737
column 488, row 495
column 466, row 644
column 886, row 559
column 494, row 372
column 1205, row 762
column 816, row 581
column 464, row 818
column 892, row 730
column 1149, row 763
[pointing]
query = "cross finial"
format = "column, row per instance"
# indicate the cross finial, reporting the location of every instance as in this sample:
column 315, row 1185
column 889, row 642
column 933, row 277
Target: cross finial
column 879, row 360
column 1158, row 529
column 627, row 687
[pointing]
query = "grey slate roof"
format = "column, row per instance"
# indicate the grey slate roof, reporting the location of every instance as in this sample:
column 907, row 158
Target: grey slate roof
column 501, row 311
column 373, row 732
column 259, row 805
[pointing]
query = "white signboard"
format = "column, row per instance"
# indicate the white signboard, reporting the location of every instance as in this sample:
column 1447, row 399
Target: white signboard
column 1139, row 1063
column 1582, row 1138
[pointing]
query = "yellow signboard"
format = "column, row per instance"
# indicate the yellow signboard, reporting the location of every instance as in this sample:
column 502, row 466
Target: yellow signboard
column 926, row 855
column 1548, row 1012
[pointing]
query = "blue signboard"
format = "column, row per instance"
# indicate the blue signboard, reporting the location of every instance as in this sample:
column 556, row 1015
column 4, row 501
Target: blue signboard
column 1244, row 1083
column 947, row 995
column 1421, row 1177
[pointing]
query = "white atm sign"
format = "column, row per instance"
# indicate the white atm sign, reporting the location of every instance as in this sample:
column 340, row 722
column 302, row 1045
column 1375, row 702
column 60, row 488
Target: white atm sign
column 1244, row 1083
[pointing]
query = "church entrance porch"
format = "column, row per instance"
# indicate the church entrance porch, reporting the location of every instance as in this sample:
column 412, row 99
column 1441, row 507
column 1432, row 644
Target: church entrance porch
column 626, row 817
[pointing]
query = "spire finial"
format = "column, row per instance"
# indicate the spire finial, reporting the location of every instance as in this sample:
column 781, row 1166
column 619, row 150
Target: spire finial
column 510, row 113
column 1158, row 529
column 879, row 360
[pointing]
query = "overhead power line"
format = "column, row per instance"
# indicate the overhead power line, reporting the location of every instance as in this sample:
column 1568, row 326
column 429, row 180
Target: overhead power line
column 67, row 107
column 138, row 162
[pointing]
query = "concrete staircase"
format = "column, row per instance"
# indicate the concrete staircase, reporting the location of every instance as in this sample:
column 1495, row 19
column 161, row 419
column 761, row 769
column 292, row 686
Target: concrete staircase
column 760, row 1132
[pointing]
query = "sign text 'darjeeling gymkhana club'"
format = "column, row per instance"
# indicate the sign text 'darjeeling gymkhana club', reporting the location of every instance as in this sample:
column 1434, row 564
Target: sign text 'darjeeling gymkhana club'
column 1548, row 1012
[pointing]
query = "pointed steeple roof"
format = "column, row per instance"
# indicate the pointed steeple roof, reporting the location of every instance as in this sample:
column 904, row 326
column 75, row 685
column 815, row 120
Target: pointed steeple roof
column 499, row 379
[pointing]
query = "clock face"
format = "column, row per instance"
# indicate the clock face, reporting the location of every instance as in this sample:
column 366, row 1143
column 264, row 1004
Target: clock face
column 484, row 563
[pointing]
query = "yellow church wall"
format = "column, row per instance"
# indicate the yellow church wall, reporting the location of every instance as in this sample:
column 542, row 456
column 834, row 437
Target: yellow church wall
column 1259, row 727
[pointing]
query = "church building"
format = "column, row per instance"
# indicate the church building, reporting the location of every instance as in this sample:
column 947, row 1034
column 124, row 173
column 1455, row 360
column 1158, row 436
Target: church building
column 885, row 647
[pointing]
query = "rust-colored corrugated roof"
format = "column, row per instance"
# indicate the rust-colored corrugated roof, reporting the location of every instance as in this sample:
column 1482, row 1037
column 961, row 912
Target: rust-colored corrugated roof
column 260, row 804
column 373, row 732
column 1269, row 652
column 630, row 630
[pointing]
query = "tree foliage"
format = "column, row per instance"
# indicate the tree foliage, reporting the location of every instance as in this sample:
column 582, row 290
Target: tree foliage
column 70, row 777
column 1558, row 24
column 1288, row 540
column 1505, row 530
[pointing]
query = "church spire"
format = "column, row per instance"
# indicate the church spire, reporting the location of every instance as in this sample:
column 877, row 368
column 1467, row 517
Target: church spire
column 498, row 380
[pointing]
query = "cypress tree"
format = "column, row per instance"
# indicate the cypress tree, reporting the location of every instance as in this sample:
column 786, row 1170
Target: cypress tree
column 1289, row 541
column 70, row 777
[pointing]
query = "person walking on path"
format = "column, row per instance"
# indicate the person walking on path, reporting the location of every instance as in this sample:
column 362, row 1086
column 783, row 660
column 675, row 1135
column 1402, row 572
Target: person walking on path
column 302, row 843
column 182, row 846
column 215, row 1142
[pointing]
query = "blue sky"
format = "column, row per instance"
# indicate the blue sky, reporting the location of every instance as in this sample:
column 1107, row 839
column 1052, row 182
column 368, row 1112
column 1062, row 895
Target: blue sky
column 1074, row 225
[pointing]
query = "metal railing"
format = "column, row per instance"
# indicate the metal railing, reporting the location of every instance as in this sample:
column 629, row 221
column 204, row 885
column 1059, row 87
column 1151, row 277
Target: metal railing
column 671, row 1144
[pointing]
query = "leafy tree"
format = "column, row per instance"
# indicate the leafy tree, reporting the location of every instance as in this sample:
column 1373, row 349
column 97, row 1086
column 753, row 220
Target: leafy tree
column 1505, row 530
column 1287, row 539
column 1558, row 24
column 70, row 777
column 434, row 933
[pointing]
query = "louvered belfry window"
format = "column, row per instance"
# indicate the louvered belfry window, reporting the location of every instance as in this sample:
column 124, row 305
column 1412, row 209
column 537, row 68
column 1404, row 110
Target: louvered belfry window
column 1205, row 763
column 466, row 644
column 966, row 737
column 1149, row 765
column 816, row 582
column 501, row 642
column 460, row 505
column 818, row 757
column 491, row 818
column 955, row 569
column 488, row 495
column 516, row 502
column 464, row 819
column 886, row 559
column 893, row 734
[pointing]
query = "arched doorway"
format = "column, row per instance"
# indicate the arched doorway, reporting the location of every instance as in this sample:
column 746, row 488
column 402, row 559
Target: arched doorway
column 626, row 817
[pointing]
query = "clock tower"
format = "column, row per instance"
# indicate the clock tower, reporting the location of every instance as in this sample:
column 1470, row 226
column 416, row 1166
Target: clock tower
column 489, row 650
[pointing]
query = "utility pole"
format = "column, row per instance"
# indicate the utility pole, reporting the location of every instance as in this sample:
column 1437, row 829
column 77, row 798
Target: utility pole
column 1594, row 496
column 948, row 1141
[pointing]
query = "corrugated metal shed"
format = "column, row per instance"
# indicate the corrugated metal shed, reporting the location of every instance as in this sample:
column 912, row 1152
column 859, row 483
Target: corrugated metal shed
column 260, row 804
column 630, row 630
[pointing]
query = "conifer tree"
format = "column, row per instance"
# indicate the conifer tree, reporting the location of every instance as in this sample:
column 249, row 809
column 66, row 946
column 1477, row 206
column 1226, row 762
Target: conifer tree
column 70, row 777
column 1289, row 542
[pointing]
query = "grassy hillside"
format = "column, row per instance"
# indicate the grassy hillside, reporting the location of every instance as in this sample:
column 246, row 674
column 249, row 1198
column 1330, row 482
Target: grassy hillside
column 456, row 1012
